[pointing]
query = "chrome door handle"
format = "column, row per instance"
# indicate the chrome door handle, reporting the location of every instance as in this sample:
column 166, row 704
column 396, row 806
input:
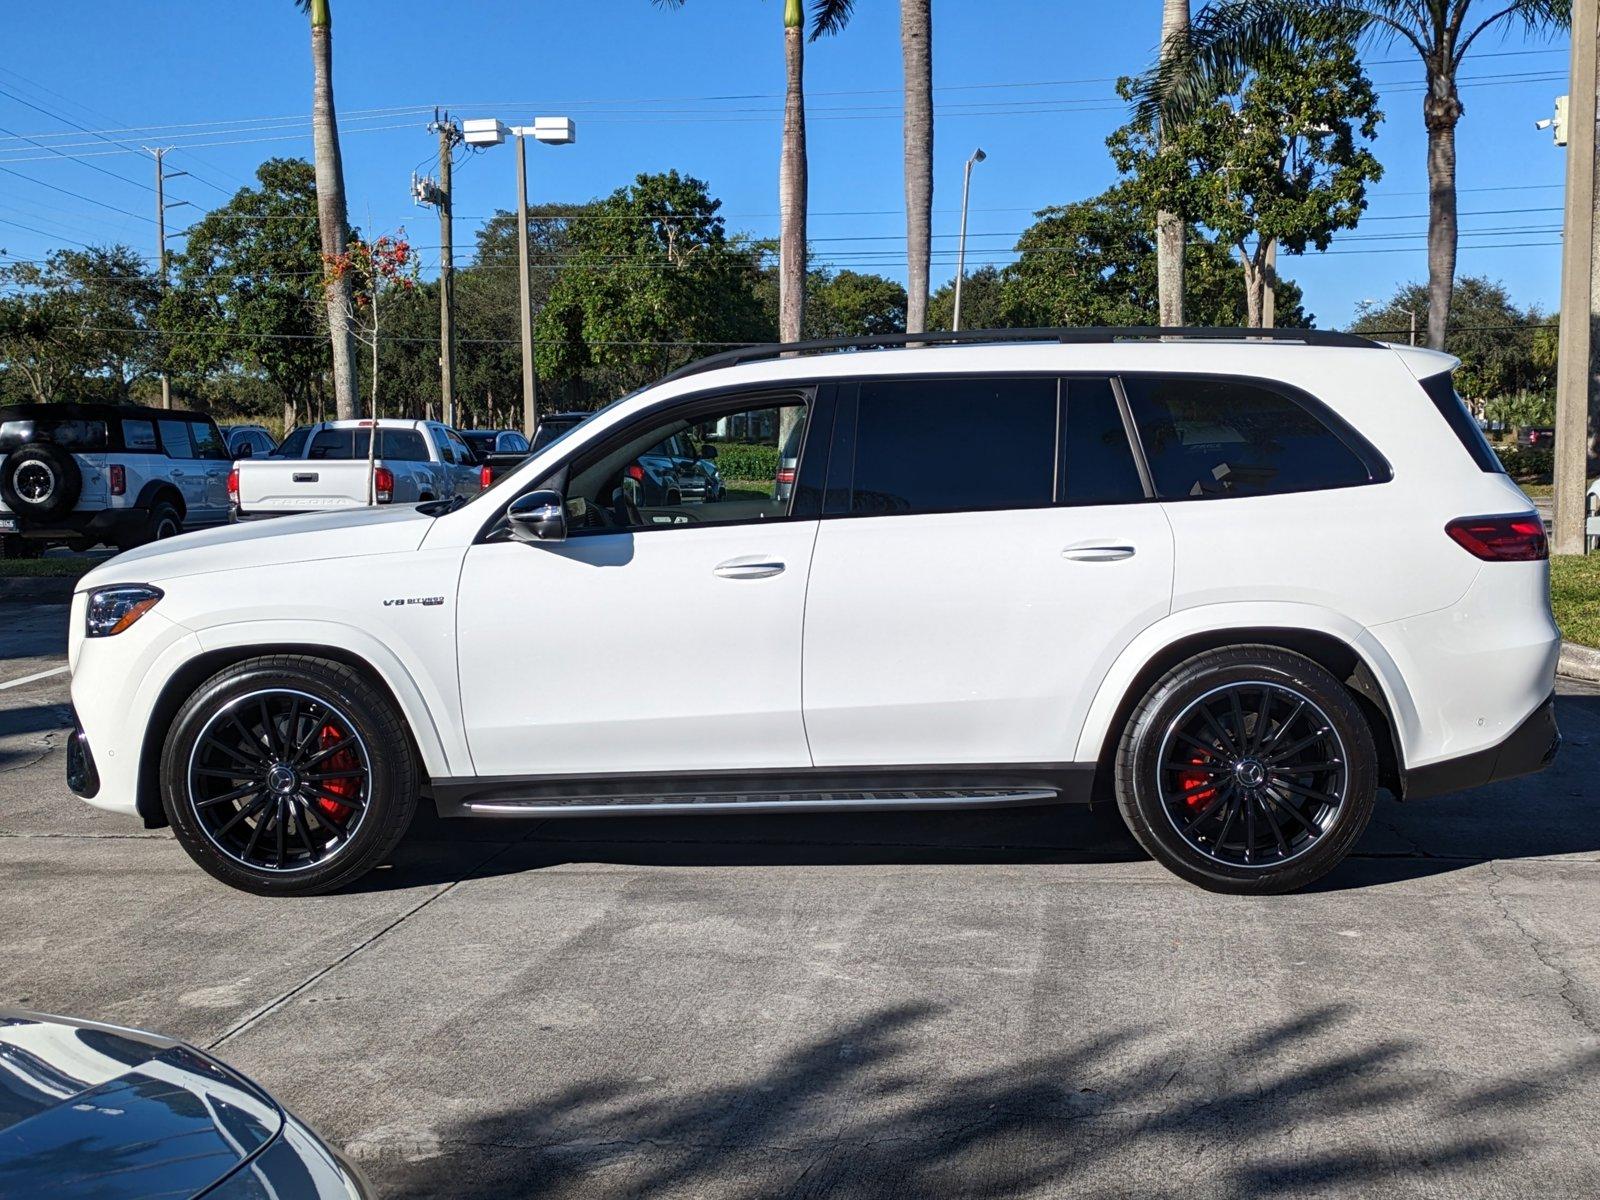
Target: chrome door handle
column 736, row 569
column 1097, row 553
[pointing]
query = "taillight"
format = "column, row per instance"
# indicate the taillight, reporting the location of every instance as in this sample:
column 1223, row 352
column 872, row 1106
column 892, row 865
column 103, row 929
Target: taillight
column 119, row 479
column 233, row 486
column 383, row 484
column 1501, row 539
column 485, row 476
column 785, row 474
column 635, row 473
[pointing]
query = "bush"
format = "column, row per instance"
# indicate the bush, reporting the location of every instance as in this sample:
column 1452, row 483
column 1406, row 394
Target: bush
column 1526, row 464
column 737, row 460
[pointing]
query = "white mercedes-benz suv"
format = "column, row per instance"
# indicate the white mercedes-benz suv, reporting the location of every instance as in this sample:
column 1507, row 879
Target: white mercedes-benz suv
column 1235, row 584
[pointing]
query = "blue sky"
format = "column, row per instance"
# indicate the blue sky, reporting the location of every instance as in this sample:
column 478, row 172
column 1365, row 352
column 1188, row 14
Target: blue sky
column 699, row 89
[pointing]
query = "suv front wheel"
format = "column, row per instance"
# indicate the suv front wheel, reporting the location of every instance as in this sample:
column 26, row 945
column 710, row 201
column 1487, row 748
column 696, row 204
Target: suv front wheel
column 288, row 775
column 1248, row 770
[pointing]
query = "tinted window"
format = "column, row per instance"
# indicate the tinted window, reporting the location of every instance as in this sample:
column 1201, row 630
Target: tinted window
column 1097, row 464
column 139, row 437
column 396, row 445
column 294, row 445
column 175, row 438
column 943, row 445
column 1441, row 390
column 207, row 443
column 1226, row 437
column 513, row 443
column 68, row 434
column 262, row 443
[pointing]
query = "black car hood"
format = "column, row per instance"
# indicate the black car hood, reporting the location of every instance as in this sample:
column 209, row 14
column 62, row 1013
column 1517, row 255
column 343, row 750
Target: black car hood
column 89, row 1110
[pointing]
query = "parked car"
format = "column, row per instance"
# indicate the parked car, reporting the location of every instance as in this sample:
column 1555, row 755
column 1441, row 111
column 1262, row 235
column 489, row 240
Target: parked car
column 554, row 425
column 98, row 1112
column 416, row 462
column 1237, row 581
column 82, row 474
column 1539, row 436
column 248, row 441
column 677, row 470
column 788, row 462
column 498, row 449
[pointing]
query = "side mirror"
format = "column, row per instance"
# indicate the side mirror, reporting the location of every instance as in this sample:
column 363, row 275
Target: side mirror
column 708, row 451
column 538, row 517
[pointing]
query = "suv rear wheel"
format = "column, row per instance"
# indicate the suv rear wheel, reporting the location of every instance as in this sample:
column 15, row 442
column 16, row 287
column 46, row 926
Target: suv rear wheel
column 1247, row 770
column 288, row 776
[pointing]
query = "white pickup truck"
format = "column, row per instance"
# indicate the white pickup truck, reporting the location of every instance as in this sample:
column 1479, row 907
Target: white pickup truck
column 325, row 466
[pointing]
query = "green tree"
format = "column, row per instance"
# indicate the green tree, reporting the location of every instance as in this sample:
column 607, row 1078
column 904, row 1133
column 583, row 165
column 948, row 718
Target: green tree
column 854, row 304
column 247, row 294
column 1094, row 263
column 1279, row 157
column 1229, row 34
column 80, row 325
column 649, row 280
column 828, row 16
column 985, row 301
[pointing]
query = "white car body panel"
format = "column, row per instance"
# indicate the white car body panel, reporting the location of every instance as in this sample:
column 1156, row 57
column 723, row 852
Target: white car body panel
column 927, row 639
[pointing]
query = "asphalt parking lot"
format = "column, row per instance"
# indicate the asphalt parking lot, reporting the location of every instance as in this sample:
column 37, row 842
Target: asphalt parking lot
column 1004, row 1004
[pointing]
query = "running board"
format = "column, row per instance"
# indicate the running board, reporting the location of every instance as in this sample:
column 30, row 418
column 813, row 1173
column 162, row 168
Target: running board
column 755, row 802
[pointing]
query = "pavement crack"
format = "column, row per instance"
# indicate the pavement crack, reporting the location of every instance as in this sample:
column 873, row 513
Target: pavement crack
column 1569, row 983
column 283, row 998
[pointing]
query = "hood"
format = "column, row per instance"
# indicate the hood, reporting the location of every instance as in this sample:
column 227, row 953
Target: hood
column 269, row 542
column 90, row 1110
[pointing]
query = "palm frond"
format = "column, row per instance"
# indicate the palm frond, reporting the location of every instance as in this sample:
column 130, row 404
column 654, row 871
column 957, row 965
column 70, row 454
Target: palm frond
column 667, row 3
column 1535, row 16
column 830, row 16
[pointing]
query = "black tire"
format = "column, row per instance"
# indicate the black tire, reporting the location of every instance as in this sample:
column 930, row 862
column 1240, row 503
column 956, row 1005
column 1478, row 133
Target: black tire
column 299, row 698
column 164, row 522
column 13, row 546
column 1237, row 717
column 40, row 481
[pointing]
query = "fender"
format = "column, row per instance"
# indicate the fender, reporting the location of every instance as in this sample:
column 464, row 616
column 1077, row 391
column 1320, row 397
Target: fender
column 443, row 747
column 1215, row 620
column 147, row 495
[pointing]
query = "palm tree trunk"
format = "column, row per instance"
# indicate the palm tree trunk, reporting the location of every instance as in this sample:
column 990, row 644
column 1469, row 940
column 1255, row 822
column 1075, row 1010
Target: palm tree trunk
column 331, row 213
column 1170, row 226
column 792, row 180
column 1441, row 109
column 916, row 53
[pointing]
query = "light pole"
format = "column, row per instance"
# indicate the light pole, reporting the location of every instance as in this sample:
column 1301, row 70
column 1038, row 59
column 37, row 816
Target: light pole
column 961, row 246
column 557, row 131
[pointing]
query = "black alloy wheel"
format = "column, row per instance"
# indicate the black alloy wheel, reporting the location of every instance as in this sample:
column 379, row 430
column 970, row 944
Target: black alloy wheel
column 1247, row 769
column 289, row 775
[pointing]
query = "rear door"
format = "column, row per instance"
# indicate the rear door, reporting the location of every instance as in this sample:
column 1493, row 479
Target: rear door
column 187, row 473
column 987, row 549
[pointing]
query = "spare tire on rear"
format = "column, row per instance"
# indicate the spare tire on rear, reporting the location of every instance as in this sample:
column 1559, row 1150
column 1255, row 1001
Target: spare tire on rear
column 40, row 481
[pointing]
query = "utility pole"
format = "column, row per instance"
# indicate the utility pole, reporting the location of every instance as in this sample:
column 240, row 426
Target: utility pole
column 1577, row 291
column 449, row 137
column 159, row 153
column 977, row 156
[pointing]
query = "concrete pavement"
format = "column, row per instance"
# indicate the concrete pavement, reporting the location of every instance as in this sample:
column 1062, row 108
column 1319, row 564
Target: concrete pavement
column 1002, row 1004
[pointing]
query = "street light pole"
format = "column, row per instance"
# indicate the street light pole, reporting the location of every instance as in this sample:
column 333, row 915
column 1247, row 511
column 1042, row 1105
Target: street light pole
column 530, row 382
column 977, row 156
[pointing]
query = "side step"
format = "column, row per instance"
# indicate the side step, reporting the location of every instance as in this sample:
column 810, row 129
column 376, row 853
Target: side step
column 758, row 802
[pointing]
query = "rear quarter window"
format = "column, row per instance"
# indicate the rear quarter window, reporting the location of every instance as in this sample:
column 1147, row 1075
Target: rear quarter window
column 1441, row 389
column 1209, row 438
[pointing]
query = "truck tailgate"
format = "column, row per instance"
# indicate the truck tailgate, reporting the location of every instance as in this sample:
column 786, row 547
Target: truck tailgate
column 281, row 486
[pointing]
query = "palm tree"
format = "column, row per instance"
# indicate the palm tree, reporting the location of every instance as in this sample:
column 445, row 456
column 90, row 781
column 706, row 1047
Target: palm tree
column 1170, row 228
column 916, row 53
column 1228, row 34
column 829, row 16
column 331, row 212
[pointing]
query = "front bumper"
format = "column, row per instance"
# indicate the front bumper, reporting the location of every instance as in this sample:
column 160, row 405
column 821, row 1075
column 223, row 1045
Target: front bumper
column 1529, row 748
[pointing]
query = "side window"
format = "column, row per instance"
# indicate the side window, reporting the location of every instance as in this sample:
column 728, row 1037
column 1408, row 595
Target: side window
column 947, row 445
column 294, row 445
column 1226, row 437
column 400, row 445
column 175, row 439
column 1097, row 463
column 207, row 442
column 139, row 437
column 513, row 443
column 464, row 452
column 261, row 442
column 631, row 483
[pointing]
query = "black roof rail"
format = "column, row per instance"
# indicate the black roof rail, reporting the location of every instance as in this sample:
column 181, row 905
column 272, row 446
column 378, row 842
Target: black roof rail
column 1066, row 335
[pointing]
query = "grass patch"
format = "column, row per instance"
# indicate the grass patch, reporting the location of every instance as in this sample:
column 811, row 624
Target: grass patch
column 746, row 489
column 1575, row 596
column 1538, row 491
column 52, row 567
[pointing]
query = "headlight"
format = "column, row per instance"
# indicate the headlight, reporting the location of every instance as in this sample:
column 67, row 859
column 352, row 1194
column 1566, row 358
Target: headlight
column 113, row 609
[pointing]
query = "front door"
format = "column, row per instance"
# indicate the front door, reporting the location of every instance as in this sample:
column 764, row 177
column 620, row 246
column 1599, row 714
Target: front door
column 989, row 553
column 652, row 640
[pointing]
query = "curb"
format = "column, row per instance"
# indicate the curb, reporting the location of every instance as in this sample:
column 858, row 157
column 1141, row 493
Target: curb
column 36, row 589
column 1579, row 662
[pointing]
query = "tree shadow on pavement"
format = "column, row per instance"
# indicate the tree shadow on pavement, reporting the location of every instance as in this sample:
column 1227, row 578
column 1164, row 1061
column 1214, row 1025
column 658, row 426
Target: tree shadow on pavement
column 1303, row 1104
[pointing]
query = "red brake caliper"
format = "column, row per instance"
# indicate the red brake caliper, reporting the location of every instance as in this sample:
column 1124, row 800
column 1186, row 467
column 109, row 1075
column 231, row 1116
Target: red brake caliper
column 342, row 760
column 1194, row 779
